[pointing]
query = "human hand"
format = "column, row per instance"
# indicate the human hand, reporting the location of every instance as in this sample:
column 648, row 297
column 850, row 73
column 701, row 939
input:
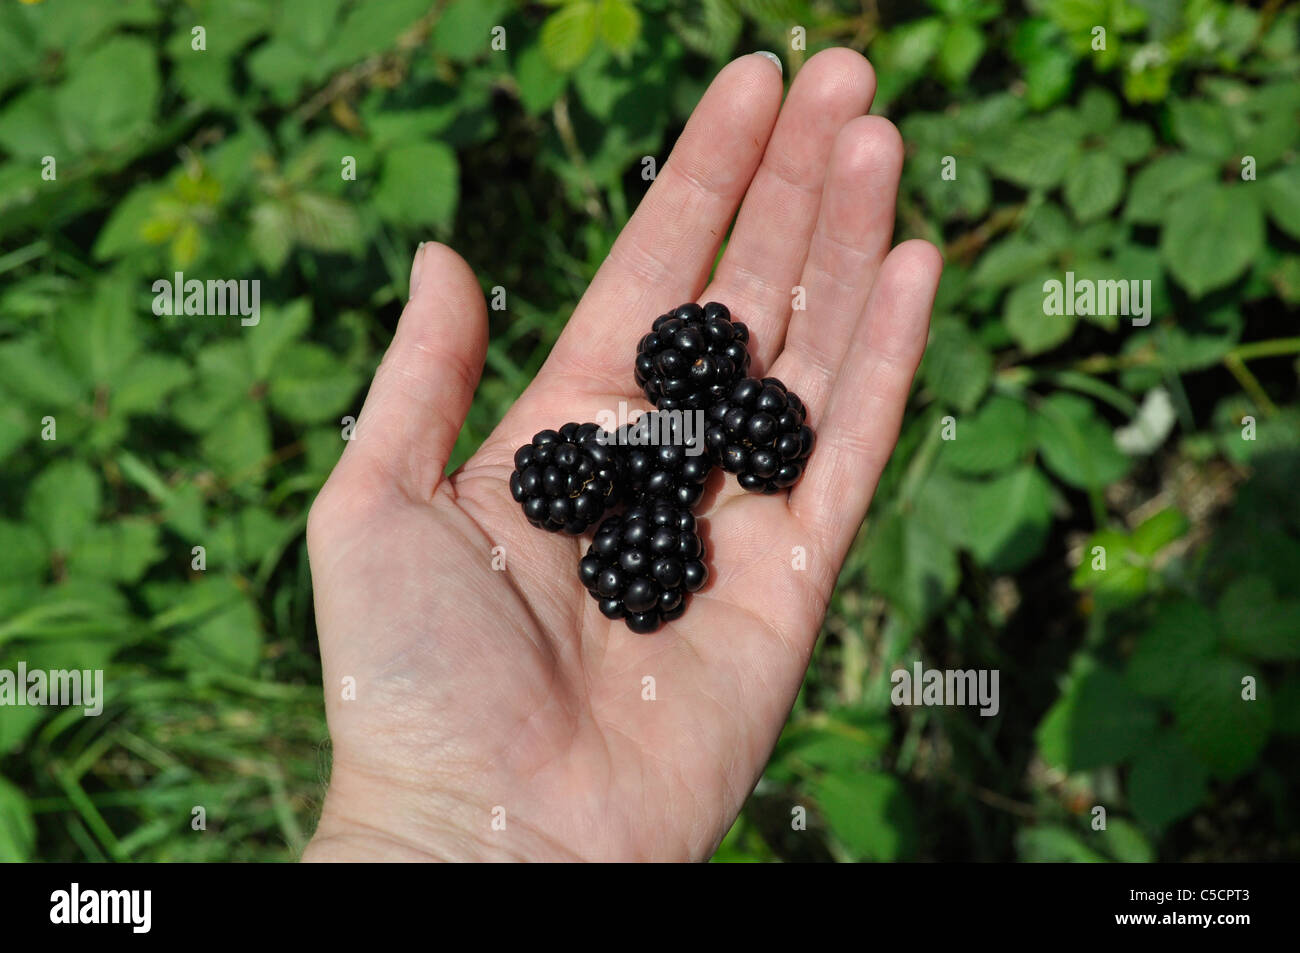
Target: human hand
column 483, row 693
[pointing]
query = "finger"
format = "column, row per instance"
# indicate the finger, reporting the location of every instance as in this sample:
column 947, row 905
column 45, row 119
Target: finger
column 769, row 243
column 854, row 231
column 425, row 383
column 858, row 430
column 663, row 255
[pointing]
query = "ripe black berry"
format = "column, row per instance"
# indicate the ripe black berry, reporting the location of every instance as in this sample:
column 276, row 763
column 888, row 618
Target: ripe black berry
column 566, row 479
column 663, row 458
column 758, row 433
column 642, row 563
column 692, row 356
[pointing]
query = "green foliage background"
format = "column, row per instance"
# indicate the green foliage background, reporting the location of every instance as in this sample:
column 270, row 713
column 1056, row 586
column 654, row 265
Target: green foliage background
column 1119, row 687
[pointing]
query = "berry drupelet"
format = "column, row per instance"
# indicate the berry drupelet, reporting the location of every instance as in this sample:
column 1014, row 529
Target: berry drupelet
column 671, row 468
column 758, row 433
column 642, row 563
column 693, row 356
column 566, row 479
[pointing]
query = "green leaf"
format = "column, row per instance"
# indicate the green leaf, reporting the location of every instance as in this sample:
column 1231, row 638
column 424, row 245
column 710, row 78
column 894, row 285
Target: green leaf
column 831, row 744
column 271, row 234
column 1054, row 844
column 30, row 128
column 1037, row 153
column 1225, row 730
column 1009, row 518
column 278, row 327
column 1046, row 224
column 1094, row 185
column 1011, row 259
column 1048, row 77
column 1034, row 330
column 1111, row 570
column 910, row 564
column 710, row 27
column 1158, row 531
column 110, row 95
column 282, row 68
column 1181, row 634
column 214, row 623
column 29, row 372
column 962, row 47
column 1167, row 781
column 307, row 23
column 119, row 552
column 1125, row 842
column 1098, row 111
column 966, row 196
column 464, row 31
column 371, row 28
column 16, row 727
column 63, row 502
column 257, row 531
column 324, row 223
column 1203, row 128
column 324, row 446
column 601, row 85
column 1076, row 444
column 909, row 46
column 957, row 367
column 540, row 84
column 991, row 440
column 568, row 34
column 1282, row 199
column 225, row 379
column 1257, row 622
column 390, row 128
column 23, row 553
column 1097, row 722
column 620, row 24
column 1156, row 184
column 16, row 427
column 1285, row 279
column 146, row 382
column 419, row 185
column 1211, row 235
column 237, row 441
column 99, row 336
column 17, row 828
column 868, row 812
column 310, row 384
column 1130, row 141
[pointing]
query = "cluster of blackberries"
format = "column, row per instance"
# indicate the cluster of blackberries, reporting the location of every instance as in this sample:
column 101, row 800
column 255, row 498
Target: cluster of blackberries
column 644, row 560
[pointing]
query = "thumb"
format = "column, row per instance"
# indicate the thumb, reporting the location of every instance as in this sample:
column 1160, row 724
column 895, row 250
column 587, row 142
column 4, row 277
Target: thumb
column 424, row 386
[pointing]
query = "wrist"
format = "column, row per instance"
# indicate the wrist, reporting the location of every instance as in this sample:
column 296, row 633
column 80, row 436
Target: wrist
column 368, row 820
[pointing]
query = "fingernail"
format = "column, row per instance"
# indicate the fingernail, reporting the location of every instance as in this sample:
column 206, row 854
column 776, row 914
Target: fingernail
column 775, row 60
column 414, row 281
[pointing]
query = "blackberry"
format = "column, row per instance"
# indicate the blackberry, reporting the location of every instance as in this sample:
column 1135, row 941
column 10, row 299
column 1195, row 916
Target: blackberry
column 758, row 433
column 642, row 563
column 663, row 458
column 566, row 479
column 692, row 356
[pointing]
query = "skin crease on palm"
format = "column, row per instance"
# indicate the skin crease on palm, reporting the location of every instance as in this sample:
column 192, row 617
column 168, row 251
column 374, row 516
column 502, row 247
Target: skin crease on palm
column 482, row 693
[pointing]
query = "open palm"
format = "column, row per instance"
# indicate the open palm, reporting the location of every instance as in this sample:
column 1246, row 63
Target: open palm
column 480, row 711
